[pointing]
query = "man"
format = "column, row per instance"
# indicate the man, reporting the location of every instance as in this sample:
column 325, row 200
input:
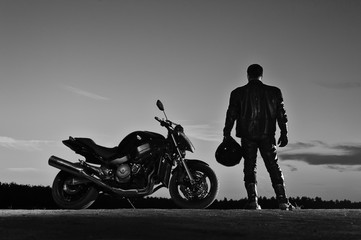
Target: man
column 257, row 108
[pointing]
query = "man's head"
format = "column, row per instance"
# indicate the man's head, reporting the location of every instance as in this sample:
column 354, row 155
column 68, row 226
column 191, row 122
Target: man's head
column 254, row 71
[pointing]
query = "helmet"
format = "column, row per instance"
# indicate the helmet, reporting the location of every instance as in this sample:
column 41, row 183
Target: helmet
column 229, row 153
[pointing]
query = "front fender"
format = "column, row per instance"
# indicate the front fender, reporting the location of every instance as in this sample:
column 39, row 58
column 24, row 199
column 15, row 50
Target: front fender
column 179, row 171
column 195, row 161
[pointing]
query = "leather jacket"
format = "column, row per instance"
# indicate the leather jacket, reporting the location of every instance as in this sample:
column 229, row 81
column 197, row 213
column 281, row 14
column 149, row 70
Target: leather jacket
column 256, row 107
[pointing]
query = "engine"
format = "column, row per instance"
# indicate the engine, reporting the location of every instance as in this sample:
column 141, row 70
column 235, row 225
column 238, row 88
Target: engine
column 123, row 173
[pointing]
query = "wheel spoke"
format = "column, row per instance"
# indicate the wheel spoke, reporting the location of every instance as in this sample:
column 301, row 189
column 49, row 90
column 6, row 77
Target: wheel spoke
column 197, row 190
column 198, row 194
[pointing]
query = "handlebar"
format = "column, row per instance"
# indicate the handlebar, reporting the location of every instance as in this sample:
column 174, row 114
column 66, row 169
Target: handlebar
column 158, row 119
column 165, row 123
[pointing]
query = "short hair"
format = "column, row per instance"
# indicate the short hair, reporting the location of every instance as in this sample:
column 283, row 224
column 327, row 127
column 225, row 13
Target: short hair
column 255, row 71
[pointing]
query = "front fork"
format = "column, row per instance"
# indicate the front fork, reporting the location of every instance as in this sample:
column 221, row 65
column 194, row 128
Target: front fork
column 183, row 161
column 191, row 179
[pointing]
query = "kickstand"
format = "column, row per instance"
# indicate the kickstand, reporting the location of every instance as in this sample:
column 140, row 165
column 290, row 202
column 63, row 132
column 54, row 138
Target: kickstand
column 131, row 204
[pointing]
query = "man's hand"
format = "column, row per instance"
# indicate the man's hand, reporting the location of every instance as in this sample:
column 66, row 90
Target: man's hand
column 283, row 140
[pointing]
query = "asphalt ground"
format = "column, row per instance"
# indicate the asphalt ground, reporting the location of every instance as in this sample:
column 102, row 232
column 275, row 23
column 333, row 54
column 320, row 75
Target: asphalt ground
column 179, row 224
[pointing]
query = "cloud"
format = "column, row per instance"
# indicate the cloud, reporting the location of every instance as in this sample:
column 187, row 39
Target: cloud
column 204, row 132
column 291, row 167
column 22, row 169
column 25, row 145
column 320, row 153
column 86, row 93
column 340, row 85
column 344, row 168
column 300, row 145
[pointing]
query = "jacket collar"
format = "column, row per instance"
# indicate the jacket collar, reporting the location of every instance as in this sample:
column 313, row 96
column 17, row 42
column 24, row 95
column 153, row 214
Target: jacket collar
column 255, row 81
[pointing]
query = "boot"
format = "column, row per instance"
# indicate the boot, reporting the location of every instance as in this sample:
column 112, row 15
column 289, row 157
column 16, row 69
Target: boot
column 282, row 199
column 252, row 202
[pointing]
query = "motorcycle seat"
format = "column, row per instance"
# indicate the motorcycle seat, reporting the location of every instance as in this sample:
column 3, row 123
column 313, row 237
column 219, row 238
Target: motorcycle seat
column 104, row 152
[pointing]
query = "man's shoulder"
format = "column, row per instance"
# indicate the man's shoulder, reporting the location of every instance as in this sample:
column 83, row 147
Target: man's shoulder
column 271, row 88
column 239, row 89
column 236, row 93
column 243, row 88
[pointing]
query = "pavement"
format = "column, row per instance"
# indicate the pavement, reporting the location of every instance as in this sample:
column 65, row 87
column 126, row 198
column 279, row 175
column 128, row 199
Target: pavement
column 179, row 224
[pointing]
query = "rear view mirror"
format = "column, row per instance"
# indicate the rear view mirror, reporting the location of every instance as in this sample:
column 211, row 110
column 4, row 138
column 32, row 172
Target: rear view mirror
column 160, row 105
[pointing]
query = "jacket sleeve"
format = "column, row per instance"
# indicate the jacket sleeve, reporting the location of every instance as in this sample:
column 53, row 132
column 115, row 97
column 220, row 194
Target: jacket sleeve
column 231, row 115
column 281, row 115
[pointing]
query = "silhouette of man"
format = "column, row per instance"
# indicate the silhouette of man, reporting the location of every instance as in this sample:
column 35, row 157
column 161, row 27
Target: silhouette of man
column 257, row 108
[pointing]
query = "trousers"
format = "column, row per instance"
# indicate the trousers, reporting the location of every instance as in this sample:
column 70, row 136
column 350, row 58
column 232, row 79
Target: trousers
column 268, row 150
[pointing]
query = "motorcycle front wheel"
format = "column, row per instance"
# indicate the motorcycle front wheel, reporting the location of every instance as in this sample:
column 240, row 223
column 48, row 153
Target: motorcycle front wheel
column 68, row 195
column 197, row 195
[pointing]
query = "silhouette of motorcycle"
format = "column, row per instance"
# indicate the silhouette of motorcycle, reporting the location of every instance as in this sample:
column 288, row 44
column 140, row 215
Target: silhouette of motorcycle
column 141, row 164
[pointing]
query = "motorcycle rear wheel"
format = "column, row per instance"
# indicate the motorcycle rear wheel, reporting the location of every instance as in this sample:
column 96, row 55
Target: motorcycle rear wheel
column 70, row 196
column 199, row 195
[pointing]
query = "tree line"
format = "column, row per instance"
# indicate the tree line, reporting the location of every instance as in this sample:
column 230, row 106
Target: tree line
column 16, row 196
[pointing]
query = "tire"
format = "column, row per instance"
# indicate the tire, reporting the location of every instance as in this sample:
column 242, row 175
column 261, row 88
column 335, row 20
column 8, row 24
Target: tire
column 197, row 196
column 70, row 196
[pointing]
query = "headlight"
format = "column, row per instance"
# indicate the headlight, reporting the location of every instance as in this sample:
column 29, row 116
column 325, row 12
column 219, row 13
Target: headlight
column 184, row 142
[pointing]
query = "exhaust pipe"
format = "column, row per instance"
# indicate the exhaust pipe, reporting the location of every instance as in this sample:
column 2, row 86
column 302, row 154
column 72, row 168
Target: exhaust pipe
column 79, row 171
column 65, row 165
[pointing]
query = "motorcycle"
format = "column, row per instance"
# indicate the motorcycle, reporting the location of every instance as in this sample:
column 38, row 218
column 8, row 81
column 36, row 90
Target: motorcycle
column 141, row 164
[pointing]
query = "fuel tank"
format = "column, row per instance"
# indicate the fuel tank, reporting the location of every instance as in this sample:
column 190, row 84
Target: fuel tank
column 139, row 145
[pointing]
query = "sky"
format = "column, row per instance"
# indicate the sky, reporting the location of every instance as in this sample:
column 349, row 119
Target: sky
column 87, row 68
